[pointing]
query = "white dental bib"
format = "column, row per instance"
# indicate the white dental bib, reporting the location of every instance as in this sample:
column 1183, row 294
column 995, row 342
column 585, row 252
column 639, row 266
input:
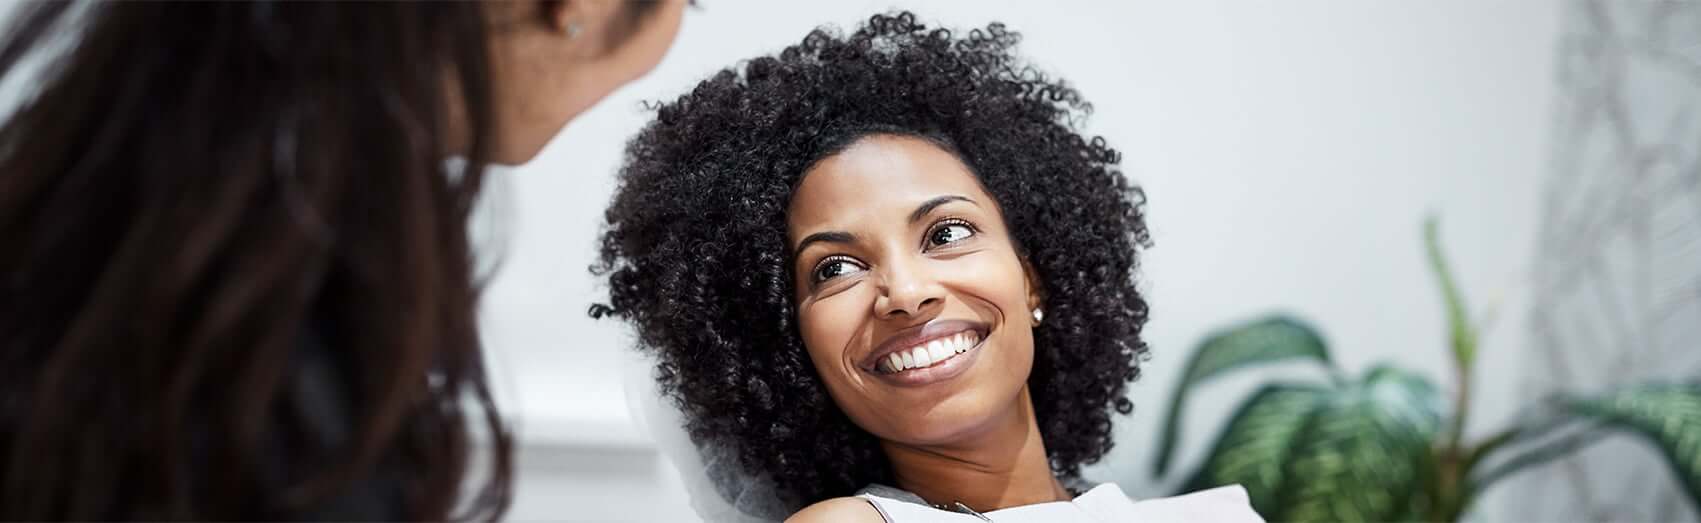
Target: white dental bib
column 1103, row 503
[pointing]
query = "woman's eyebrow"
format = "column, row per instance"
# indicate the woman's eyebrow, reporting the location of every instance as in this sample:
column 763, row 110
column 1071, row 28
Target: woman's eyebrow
column 928, row 206
column 826, row 236
column 845, row 237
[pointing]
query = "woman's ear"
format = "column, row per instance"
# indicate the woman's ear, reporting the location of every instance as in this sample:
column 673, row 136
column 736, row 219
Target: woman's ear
column 558, row 14
column 589, row 25
column 1035, row 285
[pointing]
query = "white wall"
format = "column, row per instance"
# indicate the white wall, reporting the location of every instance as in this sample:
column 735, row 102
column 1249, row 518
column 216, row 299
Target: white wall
column 1290, row 152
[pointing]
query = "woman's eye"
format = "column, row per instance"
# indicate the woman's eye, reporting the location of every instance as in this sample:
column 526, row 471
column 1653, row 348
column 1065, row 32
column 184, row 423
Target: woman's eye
column 949, row 233
column 835, row 267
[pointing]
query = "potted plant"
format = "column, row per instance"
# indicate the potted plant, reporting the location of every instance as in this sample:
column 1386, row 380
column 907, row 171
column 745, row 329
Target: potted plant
column 1382, row 446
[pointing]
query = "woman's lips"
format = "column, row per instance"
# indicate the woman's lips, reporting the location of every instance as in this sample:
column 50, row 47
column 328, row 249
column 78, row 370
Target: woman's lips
column 953, row 366
column 934, row 352
column 928, row 354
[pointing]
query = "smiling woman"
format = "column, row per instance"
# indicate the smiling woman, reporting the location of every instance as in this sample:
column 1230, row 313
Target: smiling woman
column 914, row 272
column 890, row 258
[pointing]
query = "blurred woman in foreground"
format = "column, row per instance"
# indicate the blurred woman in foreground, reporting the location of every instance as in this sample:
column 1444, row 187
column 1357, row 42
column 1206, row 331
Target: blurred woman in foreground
column 236, row 281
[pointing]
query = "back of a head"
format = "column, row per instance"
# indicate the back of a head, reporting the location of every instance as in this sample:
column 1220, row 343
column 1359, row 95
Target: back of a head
column 236, row 277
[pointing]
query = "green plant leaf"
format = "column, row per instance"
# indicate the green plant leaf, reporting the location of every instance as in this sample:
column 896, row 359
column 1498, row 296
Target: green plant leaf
column 1264, row 341
column 1354, row 453
column 1666, row 414
column 1362, row 455
column 1537, row 423
column 1549, row 450
column 1463, row 334
column 1251, row 449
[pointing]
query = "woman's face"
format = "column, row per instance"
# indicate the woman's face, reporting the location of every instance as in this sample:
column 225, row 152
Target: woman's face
column 912, row 300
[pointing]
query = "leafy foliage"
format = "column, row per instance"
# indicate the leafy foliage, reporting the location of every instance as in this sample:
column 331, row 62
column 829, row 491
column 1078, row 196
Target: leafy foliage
column 1667, row 414
column 1258, row 441
column 1381, row 448
column 1267, row 341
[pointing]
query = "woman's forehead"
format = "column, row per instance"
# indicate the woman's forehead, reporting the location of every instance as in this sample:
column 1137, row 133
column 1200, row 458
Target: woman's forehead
column 879, row 176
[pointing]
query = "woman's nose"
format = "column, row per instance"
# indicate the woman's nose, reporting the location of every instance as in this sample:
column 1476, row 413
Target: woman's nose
column 907, row 288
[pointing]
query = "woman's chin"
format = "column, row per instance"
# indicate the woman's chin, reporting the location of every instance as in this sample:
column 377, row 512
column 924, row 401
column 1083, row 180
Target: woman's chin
column 953, row 420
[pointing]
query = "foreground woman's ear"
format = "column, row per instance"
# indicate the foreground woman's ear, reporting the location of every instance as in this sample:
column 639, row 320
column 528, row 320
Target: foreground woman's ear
column 554, row 59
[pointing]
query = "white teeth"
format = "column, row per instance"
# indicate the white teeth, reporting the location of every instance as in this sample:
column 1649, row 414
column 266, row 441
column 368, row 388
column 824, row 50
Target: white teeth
column 938, row 350
column 930, row 353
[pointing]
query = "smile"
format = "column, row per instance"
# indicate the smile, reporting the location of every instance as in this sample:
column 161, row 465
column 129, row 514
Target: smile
column 925, row 354
column 928, row 354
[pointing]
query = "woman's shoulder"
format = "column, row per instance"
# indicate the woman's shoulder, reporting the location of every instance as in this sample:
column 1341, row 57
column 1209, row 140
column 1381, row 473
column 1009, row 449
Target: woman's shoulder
column 850, row 509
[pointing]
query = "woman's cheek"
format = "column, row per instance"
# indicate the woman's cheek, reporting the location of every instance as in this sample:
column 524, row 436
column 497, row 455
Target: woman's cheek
column 992, row 278
column 828, row 327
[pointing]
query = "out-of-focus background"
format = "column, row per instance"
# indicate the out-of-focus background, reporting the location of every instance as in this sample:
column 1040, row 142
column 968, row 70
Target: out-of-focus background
column 1291, row 152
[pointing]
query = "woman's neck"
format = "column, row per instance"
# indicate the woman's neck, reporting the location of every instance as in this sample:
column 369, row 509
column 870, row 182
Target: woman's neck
column 1001, row 466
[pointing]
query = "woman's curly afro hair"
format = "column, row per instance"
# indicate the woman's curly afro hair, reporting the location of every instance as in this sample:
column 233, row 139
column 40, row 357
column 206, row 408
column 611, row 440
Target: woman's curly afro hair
column 696, row 256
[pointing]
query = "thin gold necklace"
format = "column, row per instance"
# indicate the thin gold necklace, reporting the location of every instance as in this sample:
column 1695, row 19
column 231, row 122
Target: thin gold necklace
column 958, row 506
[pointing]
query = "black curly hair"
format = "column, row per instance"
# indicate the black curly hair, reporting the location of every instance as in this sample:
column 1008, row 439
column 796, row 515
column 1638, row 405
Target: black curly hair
column 696, row 256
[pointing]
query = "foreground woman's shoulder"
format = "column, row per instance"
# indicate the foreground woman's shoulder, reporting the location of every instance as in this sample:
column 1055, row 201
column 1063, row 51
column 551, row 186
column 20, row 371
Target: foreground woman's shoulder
column 848, row 509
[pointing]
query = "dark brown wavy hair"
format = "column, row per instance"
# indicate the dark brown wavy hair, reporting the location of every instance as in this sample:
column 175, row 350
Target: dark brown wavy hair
column 237, row 280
